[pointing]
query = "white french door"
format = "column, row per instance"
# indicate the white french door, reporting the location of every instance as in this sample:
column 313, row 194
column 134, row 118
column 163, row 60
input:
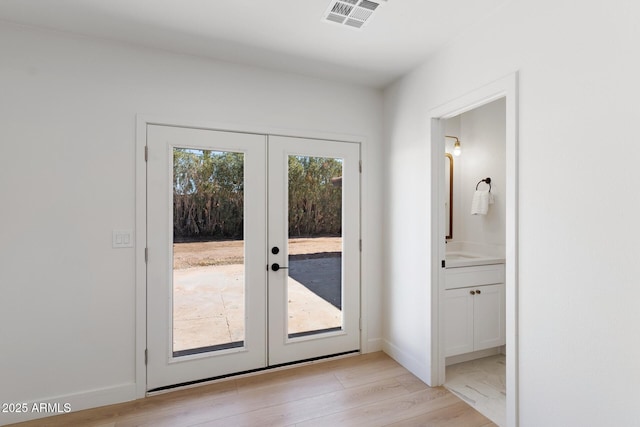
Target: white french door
column 253, row 252
column 314, row 305
column 192, row 332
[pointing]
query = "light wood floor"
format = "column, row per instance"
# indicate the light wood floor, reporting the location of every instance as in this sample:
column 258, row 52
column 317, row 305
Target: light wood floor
column 367, row 390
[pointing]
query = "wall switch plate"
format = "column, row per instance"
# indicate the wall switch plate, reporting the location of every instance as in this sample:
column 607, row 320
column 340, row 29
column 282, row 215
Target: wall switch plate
column 122, row 238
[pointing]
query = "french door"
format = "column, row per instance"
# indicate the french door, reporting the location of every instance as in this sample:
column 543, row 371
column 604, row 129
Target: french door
column 253, row 252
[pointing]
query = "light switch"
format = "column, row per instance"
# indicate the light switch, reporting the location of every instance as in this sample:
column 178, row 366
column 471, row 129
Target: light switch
column 122, row 238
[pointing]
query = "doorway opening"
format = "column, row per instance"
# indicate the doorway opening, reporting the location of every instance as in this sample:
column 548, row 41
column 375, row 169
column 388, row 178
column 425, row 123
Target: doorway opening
column 473, row 299
column 474, row 249
column 253, row 252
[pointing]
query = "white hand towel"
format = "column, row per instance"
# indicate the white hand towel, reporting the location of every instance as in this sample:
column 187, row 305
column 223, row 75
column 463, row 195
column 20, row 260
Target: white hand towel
column 480, row 202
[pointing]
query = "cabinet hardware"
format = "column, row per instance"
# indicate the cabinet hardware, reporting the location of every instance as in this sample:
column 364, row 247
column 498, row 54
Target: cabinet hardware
column 478, row 291
column 472, row 292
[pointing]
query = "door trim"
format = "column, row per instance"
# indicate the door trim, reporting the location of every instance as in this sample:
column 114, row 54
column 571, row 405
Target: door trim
column 142, row 120
column 506, row 87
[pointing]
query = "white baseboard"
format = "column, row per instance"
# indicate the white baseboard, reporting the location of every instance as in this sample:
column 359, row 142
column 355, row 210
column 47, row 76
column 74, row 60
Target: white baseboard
column 419, row 368
column 51, row 406
column 461, row 358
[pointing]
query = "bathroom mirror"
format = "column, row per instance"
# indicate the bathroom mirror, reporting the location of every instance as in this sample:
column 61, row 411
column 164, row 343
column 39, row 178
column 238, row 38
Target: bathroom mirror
column 448, row 196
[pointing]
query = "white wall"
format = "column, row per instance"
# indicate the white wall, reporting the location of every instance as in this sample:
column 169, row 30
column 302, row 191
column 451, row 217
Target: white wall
column 578, row 200
column 483, row 138
column 68, row 109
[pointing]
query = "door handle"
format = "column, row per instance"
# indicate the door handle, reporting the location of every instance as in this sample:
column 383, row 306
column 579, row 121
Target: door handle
column 275, row 267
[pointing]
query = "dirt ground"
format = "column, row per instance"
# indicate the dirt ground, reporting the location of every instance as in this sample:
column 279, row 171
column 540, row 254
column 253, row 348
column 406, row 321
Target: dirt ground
column 200, row 254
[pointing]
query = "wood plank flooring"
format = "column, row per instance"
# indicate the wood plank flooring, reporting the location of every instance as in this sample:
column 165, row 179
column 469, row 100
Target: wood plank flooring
column 365, row 390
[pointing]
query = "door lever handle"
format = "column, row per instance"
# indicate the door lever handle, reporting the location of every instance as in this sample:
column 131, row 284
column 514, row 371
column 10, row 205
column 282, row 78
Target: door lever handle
column 275, row 267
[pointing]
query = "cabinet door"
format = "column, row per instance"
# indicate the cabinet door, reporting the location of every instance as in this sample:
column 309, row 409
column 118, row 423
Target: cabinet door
column 458, row 321
column 489, row 314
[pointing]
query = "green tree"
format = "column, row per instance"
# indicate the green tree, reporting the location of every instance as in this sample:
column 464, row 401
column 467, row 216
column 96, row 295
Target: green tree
column 208, row 189
column 208, row 195
column 315, row 201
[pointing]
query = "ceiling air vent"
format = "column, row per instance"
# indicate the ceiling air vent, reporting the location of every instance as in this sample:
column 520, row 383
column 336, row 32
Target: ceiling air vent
column 351, row 13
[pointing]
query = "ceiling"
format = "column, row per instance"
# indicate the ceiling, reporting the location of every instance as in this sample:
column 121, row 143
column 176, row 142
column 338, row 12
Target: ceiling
column 285, row 35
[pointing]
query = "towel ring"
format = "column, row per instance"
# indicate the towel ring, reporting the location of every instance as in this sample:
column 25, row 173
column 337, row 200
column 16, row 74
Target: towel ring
column 487, row 181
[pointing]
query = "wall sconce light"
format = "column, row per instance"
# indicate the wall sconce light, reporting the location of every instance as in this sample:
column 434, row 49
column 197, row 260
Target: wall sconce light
column 457, row 149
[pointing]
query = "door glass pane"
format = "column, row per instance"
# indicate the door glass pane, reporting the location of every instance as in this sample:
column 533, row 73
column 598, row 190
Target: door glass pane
column 315, row 245
column 208, row 251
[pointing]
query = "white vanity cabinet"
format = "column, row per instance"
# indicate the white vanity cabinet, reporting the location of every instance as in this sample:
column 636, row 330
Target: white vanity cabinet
column 473, row 309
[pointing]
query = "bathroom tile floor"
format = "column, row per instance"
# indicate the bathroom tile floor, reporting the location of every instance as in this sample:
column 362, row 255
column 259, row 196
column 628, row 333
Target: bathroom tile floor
column 481, row 383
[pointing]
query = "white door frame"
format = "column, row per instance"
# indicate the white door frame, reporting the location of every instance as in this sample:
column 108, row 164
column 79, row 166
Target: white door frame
column 506, row 88
column 142, row 120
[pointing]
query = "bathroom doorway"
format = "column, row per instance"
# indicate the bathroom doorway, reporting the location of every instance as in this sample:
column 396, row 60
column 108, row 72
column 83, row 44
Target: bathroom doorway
column 473, row 297
column 480, row 284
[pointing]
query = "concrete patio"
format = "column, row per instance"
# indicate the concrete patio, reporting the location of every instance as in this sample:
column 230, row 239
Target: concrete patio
column 209, row 301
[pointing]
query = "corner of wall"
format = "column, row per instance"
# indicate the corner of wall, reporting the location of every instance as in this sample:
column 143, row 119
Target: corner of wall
column 417, row 367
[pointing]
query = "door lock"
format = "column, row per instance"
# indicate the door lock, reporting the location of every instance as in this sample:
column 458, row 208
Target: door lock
column 275, row 267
